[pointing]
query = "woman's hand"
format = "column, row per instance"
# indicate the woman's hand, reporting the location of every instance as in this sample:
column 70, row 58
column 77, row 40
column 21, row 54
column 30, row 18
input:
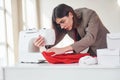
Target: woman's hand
column 60, row 50
column 56, row 50
column 39, row 41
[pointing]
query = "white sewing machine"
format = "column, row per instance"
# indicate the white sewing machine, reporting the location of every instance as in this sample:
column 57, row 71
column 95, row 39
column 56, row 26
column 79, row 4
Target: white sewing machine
column 27, row 51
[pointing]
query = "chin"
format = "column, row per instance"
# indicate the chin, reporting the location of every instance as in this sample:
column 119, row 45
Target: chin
column 70, row 29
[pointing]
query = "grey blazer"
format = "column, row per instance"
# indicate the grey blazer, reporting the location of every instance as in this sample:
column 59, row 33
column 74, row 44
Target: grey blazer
column 91, row 30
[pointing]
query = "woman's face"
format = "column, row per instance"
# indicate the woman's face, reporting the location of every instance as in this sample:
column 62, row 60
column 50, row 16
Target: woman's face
column 65, row 22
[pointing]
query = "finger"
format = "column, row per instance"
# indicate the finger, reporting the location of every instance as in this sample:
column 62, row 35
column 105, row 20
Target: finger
column 42, row 43
column 48, row 50
column 39, row 41
column 36, row 44
column 38, row 38
column 54, row 55
column 36, row 41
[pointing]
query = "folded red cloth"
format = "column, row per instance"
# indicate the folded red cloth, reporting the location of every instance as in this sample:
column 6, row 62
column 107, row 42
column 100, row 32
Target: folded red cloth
column 63, row 58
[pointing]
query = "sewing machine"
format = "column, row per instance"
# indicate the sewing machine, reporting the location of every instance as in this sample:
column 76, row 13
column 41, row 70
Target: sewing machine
column 28, row 52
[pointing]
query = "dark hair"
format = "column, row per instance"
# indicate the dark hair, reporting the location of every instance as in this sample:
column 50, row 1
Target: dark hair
column 60, row 11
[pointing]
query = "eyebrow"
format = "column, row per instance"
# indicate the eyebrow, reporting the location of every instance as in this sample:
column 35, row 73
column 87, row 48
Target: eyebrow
column 62, row 20
column 58, row 22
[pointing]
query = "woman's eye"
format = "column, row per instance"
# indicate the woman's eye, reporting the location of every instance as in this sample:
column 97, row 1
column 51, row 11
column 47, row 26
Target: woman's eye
column 62, row 22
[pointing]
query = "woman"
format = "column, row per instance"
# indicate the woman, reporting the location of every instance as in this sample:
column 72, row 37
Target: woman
column 83, row 25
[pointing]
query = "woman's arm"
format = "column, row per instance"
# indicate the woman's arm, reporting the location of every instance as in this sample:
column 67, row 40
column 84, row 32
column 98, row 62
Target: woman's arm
column 91, row 32
column 60, row 50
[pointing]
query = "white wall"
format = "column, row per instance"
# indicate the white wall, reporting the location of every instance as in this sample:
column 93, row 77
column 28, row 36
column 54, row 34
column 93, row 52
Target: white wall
column 108, row 10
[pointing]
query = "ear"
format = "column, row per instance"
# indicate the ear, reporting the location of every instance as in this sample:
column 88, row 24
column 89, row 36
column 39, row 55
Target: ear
column 70, row 14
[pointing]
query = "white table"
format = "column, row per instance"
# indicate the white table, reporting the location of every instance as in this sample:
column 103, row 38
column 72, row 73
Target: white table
column 47, row 71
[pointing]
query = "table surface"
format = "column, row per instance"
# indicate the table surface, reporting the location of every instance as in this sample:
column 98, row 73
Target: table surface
column 46, row 71
column 49, row 65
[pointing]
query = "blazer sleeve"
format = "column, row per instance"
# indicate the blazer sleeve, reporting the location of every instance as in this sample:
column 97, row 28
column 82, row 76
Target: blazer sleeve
column 91, row 33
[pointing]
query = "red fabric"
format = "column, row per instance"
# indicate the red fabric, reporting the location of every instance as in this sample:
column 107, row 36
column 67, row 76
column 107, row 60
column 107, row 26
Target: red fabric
column 63, row 58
